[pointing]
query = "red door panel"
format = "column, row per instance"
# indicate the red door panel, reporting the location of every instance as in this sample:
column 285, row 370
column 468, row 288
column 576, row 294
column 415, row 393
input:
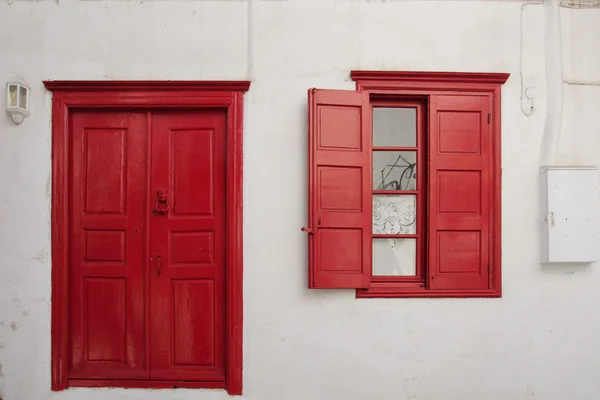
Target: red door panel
column 460, row 190
column 107, row 252
column 187, row 245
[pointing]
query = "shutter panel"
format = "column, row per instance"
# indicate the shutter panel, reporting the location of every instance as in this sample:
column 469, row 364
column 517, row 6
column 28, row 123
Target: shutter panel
column 459, row 192
column 339, row 193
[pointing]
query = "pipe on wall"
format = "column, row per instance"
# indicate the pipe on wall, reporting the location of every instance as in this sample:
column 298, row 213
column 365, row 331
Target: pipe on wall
column 251, row 39
column 527, row 102
column 554, row 84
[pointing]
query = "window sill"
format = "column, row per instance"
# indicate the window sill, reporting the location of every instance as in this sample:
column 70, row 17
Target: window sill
column 145, row 384
column 410, row 290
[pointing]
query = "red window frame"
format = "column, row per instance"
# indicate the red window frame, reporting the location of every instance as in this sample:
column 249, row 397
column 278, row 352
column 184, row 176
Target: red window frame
column 390, row 87
column 70, row 95
column 421, row 191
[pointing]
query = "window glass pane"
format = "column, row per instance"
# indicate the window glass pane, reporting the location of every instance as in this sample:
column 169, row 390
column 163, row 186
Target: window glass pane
column 22, row 97
column 394, row 127
column 394, row 215
column 394, row 170
column 12, row 95
column 394, row 257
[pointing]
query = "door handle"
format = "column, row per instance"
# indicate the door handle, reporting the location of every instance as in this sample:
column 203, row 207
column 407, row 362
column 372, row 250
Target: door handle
column 158, row 265
column 310, row 231
column 162, row 202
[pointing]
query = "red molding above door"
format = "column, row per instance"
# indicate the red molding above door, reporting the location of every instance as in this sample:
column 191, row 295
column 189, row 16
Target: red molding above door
column 79, row 86
column 69, row 95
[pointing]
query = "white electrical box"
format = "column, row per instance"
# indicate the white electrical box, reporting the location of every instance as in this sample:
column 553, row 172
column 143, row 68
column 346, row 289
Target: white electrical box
column 570, row 208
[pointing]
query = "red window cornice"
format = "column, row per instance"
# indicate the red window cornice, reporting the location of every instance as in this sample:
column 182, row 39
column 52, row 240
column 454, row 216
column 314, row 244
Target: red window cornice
column 428, row 79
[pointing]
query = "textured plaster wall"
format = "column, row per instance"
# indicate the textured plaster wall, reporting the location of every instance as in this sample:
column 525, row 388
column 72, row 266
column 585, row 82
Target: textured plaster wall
column 539, row 341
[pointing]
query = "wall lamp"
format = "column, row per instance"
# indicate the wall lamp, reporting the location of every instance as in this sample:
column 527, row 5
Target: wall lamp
column 17, row 100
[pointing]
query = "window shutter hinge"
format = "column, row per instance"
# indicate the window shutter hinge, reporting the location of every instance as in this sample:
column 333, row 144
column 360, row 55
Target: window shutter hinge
column 489, row 118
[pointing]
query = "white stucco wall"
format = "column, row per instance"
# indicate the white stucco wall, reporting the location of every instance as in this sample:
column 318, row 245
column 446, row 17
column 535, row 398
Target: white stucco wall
column 539, row 341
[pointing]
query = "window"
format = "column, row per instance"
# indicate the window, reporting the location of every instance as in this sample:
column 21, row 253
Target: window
column 398, row 190
column 404, row 185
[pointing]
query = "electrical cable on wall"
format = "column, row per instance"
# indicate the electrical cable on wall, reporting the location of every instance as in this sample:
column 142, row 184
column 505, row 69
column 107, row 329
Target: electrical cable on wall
column 527, row 98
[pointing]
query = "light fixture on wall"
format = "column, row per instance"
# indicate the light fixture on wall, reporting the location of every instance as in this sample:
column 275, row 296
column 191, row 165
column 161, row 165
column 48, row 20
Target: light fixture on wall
column 17, row 100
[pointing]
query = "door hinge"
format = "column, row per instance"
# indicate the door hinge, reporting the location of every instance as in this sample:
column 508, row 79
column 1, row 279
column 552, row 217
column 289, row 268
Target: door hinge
column 489, row 118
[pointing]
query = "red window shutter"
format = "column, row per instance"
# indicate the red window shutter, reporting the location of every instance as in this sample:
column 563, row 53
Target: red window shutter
column 339, row 193
column 459, row 192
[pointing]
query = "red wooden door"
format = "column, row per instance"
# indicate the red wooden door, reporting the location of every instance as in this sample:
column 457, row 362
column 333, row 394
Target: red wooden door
column 187, row 246
column 107, row 252
column 146, row 276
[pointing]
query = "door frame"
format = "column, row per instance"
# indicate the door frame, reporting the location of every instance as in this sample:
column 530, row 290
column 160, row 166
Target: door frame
column 68, row 96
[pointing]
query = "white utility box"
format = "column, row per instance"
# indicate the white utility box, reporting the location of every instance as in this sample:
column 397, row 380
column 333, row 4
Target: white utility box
column 570, row 223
